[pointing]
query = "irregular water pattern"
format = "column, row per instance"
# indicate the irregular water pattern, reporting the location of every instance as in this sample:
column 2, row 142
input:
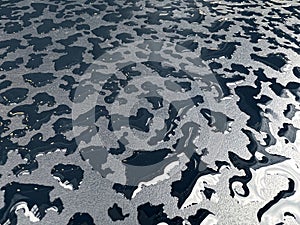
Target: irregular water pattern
column 250, row 47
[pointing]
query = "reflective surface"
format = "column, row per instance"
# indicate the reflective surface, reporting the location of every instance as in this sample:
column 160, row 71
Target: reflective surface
column 149, row 112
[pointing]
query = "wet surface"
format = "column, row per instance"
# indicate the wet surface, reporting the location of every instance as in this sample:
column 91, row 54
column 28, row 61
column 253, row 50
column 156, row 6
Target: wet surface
column 149, row 112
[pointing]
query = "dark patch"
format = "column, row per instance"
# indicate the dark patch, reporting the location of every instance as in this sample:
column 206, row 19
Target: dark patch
column 178, row 86
column 257, row 49
column 13, row 96
column 274, row 60
column 195, row 169
column 238, row 68
column 225, row 49
column 7, row 144
column 296, row 71
column 12, row 27
column 34, row 119
column 117, row 151
column 152, row 95
column 35, row 61
column 63, row 125
column 35, row 196
column 126, row 190
column 289, row 214
column 155, row 101
column 104, row 31
column 254, row 163
column 68, row 174
column 18, row 133
column 220, row 121
column 48, row 25
column 167, row 71
column 145, row 158
column 215, row 65
column 37, row 145
column 218, row 37
column 81, row 219
column 39, row 44
column 189, row 44
column 249, row 104
column 200, row 215
column 120, row 14
column 116, row 214
column 294, row 88
column 208, row 192
column 282, row 194
column 195, row 15
column 219, row 25
column 290, row 111
column 144, row 30
column 11, row 65
column 289, row 132
column 177, row 111
column 24, row 168
column 44, row 99
column 72, row 57
column 69, row 40
column 141, row 121
column 10, row 46
column 39, row 79
column 151, row 215
column 125, row 37
column 5, row 84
